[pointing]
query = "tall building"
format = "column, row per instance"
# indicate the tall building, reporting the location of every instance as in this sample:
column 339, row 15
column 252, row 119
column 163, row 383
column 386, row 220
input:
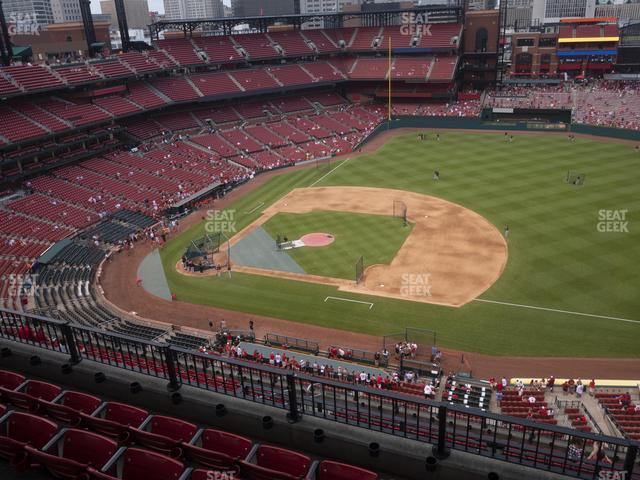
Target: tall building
column 192, row 9
column 65, row 11
column 25, row 14
column 259, row 8
column 551, row 11
column 626, row 13
column 323, row 6
column 137, row 12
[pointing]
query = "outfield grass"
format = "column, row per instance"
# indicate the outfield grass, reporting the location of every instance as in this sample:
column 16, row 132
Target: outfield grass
column 557, row 257
column 375, row 237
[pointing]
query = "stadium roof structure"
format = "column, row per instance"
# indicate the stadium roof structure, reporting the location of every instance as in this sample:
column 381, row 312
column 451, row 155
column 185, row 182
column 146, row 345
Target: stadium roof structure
column 430, row 13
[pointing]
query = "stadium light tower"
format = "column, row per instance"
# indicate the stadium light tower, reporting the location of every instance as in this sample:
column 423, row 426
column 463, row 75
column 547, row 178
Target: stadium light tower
column 89, row 29
column 6, row 51
column 123, row 25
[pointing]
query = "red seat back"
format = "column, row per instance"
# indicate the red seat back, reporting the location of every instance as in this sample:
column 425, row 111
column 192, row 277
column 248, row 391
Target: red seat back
column 43, row 390
column 21, row 429
column 282, row 460
column 3, row 409
column 125, row 414
column 60, row 413
column 81, row 402
column 139, row 464
column 159, row 443
column 106, row 427
column 207, row 458
column 173, row 428
column 19, row 399
column 59, row 467
column 328, row 470
column 10, row 380
column 251, row 471
column 87, row 447
column 227, row 443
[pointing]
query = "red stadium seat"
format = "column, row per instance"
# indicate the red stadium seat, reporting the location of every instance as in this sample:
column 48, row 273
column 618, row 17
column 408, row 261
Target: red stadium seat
column 19, row 429
column 328, row 470
column 275, row 463
column 135, row 464
column 69, row 454
column 33, row 390
column 113, row 419
column 68, row 407
column 10, row 380
column 164, row 434
column 217, row 449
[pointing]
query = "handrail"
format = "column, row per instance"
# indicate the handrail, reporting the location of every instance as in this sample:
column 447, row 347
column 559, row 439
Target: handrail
column 448, row 426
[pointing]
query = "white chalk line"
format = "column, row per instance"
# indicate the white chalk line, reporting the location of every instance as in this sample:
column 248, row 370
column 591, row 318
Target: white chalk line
column 329, row 173
column 255, row 208
column 349, row 300
column 569, row 312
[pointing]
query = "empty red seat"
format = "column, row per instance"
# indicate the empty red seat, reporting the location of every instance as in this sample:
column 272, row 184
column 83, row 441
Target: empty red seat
column 33, row 390
column 10, row 380
column 114, row 420
column 275, row 463
column 69, row 454
column 20, row 429
column 135, row 464
column 217, row 449
column 164, row 434
column 328, row 470
column 68, row 407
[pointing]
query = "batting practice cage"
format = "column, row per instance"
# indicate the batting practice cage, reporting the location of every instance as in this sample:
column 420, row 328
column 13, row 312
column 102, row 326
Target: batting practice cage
column 360, row 270
column 206, row 251
column 400, row 211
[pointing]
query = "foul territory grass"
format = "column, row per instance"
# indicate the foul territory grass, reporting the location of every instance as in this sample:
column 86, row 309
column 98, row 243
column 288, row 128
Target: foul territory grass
column 558, row 258
column 375, row 237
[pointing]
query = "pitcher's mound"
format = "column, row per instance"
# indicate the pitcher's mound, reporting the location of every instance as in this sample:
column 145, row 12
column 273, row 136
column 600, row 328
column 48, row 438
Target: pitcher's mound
column 317, row 239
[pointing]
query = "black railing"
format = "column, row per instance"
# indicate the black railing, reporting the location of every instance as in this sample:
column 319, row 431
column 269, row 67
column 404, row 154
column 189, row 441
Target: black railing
column 446, row 426
column 284, row 341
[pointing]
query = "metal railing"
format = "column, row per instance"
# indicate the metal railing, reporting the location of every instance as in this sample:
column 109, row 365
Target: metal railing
column 303, row 344
column 446, row 426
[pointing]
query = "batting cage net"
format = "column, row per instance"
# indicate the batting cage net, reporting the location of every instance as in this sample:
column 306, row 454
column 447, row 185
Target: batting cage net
column 575, row 178
column 211, row 251
column 360, row 270
column 204, row 246
column 400, row 211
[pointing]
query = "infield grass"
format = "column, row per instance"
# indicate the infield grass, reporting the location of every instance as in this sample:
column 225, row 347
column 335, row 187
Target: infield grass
column 375, row 237
column 557, row 257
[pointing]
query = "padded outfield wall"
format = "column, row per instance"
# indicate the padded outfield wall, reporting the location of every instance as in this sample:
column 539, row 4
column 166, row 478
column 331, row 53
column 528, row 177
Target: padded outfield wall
column 507, row 126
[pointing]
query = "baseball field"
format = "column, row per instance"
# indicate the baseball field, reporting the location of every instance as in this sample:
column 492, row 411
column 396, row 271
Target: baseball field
column 563, row 283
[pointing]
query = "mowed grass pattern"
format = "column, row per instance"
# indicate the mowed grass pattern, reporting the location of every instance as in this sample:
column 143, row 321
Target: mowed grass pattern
column 376, row 237
column 557, row 258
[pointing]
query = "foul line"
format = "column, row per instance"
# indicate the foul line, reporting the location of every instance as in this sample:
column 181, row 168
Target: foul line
column 532, row 307
column 329, row 173
column 349, row 300
column 254, row 208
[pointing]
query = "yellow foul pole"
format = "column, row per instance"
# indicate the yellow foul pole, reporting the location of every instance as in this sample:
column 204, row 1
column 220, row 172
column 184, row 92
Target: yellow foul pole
column 389, row 92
